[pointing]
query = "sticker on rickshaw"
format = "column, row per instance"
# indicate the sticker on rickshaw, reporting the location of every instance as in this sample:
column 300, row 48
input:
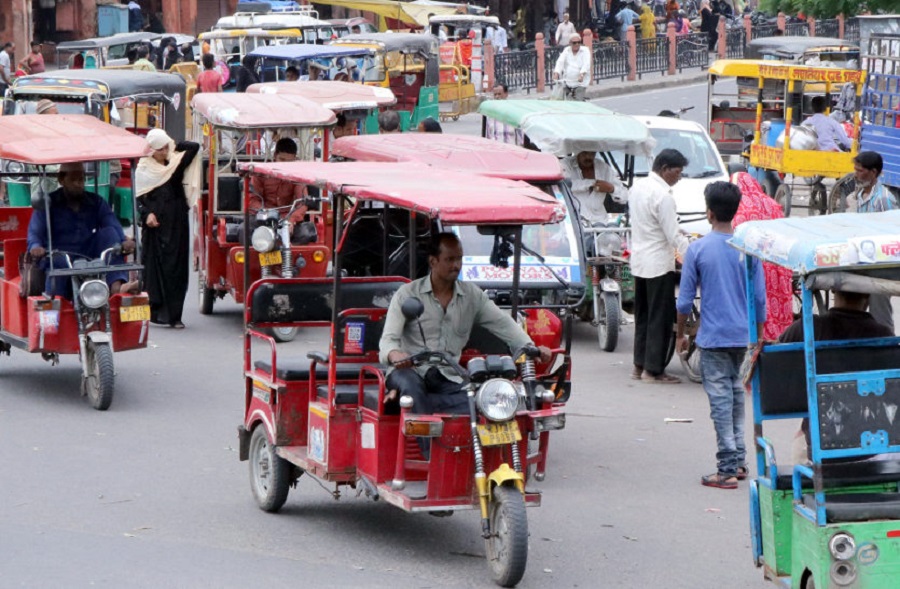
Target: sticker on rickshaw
column 541, row 324
column 527, row 274
column 766, row 157
column 261, row 393
column 270, row 258
column 135, row 313
column 870, row 250
column 830, row 255
column 354, row 336
column 317, row 444
column 867, row 554
column 811, row 74
column 49, row 322
column 496, row 434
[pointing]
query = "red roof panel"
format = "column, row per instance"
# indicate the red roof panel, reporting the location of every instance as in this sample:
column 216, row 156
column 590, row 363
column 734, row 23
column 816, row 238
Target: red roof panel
column 253, row 111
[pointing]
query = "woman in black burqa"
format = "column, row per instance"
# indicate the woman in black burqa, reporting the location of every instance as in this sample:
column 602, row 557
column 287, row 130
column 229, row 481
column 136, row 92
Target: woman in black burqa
column 163, row 206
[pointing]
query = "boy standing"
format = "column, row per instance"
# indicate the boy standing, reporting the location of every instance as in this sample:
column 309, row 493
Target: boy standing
column 718, row 270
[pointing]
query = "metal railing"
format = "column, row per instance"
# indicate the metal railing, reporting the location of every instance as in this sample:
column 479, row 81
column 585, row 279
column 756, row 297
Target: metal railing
column 610, row 60
column 851, row 30
column 735, row 40
column 551, row 55
column 796, row 29
column 652, row 55
column 828, row 27
column 517, row 69
column 761, row 31
column 692, row 51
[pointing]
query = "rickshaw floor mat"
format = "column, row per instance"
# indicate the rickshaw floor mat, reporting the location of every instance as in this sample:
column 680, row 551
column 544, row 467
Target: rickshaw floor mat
column 849, row 474
column 858, row 507
column 289, row 371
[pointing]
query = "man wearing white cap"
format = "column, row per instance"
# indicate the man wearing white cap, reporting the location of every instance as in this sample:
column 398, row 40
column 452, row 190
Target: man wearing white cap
column 163, row 204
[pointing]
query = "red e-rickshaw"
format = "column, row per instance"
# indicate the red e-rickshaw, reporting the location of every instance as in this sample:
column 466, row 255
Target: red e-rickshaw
column 326, row 417
column 243, row 128
column 94, row 323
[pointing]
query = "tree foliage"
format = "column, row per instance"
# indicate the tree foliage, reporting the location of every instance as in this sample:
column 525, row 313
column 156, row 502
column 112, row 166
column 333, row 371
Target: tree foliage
column 827, row 8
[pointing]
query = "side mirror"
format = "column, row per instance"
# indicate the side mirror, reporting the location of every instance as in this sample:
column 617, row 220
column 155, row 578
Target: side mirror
column 412, row 308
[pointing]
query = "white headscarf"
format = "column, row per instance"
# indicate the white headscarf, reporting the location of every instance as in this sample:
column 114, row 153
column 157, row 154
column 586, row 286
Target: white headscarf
column 151, row 174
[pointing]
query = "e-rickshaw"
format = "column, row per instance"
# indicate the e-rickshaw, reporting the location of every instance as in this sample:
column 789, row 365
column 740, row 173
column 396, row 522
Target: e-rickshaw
column 462, row 60
column 237, row 128
column 231, row 45
column 356, row 103
column 135, row 100
column 833, row 521
column 327, row 417
column 93, row 323
column 328, row 62
column 407, row 63
column 565, row 128
column 101, row 51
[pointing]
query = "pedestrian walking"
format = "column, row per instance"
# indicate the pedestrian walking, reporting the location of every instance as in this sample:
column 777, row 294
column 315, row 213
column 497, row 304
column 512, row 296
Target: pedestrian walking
column 209, row 80
column 655, row 241
column 709, row 24
column 6, row 55
column 625, row 18
column 564, row 30
column 717, row 269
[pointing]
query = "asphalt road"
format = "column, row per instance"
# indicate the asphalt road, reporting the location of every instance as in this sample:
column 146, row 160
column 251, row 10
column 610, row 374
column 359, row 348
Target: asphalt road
column 151, row 493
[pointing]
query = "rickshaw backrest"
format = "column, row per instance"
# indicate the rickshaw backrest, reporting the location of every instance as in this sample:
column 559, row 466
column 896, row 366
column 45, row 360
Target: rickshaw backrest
column 310, row 300
column 228, row 194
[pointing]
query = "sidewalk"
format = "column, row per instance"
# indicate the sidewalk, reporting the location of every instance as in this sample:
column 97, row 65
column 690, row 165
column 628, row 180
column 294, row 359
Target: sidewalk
column 616, row 87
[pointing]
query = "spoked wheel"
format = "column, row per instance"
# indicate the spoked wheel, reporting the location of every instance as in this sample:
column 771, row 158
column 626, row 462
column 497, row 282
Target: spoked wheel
column 207, row 296
column 670, row 349
column 507, row 548
column 837, row 198
column 270, row 474
column 783, row 197
column 608, row 321
column 690, row 360
column 100, row 381
column 818, row 199
column 283, row 334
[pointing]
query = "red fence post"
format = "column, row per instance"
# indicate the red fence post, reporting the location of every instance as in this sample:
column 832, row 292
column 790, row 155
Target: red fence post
column 488, row 80
column 781, row 22
column 587, row 44
column 631, row 39
column 673, row 50
column 811, row 21
column 539, row 48
column 840, row 19
column 748, row 30
column 722, row 41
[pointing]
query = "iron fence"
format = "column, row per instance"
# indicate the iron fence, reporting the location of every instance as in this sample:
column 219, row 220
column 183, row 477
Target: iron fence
column 796, row 29
column 610, row 60
column 551, row 54
column 652, row 55
column 691, row 51
column 828, row 27
column 761, row 31
column 735, row 40
column 517, row 69
column 851, row 30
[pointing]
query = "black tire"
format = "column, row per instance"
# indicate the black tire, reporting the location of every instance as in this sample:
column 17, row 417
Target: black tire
column 670, row 349
column 507, row 548
column 818, row 199
column 690, row 361
column 283, row 334
column 783, row 196
column 101, row 377
column 837, row 198
column 608, row 322
column 270, row 474
column 207, row 296
column 769, row 185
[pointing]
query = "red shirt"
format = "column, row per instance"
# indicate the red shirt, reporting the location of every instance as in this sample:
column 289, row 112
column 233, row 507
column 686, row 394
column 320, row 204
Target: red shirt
column 279, row 193
column 209, row 81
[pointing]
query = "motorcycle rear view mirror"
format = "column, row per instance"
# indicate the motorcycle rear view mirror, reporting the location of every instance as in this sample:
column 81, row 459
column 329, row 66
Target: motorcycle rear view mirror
column 412, row 308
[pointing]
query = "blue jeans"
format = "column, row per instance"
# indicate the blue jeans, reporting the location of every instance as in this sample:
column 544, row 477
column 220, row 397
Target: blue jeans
column 720, row 369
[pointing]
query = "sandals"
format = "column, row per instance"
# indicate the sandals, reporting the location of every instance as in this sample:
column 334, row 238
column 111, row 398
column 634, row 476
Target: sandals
column 742, row 473
column 661, row 378
column 719, row 481
column 636, row 372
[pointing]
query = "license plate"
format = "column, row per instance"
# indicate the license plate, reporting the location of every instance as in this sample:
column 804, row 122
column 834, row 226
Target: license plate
column 136, row 313
column 496, row 434
column 270, row 258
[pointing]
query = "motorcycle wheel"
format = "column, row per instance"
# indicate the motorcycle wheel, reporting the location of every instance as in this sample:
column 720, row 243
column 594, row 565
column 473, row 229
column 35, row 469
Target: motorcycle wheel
column 608, row 321
column 207, row 296
column 818, row 199
column 270, row 474
column 783, row 197
column 99, row 383
column 507, row 548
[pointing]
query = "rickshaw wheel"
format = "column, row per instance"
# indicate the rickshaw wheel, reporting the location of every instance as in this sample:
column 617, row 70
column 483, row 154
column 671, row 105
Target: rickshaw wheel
column 270, row 474
column 818, row 199
column 100, row 380
column 783, row 197
column 837, row 198
column 284, row 334
column 608, row 322
column 507, row 548
column 207, row 296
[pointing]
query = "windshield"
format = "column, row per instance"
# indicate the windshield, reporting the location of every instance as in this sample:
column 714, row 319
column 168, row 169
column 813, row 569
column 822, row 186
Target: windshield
column 27, row 106
column 703, row 159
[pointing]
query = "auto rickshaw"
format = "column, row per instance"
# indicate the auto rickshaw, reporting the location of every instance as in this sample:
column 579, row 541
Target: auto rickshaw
column 462, row 61
column 231, row 45
column 101, row 51
column 93, row 323
column 238, row 128
column 811, row 51
column 327, row 417
column 834, row 520
column 407, row 63
column 357, row 103
column 328, row 62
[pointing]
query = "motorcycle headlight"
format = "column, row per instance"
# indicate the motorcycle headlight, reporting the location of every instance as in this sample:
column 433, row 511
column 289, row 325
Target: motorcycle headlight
column 94, row 294
column 14, row 167
column 497, row 399
column 263, row 239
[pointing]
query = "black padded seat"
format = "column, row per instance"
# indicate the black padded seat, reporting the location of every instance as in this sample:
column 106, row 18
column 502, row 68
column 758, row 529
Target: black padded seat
column 348, row 394
column 847, row 474
column 298, row 370
column 233, row 232
column 858, row 507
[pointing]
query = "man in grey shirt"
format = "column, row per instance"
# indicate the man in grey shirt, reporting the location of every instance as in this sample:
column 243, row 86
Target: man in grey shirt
column 452, row 309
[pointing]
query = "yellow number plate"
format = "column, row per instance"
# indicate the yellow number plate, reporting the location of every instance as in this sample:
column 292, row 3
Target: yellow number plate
column 496, row 434
column 270, row 258
column 136, row 313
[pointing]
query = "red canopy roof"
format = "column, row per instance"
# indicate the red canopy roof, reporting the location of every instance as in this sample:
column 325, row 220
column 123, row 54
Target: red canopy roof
column 450, row 195
column 330, row 94
column 246, row 111
column 60, row 139
column 461, row 152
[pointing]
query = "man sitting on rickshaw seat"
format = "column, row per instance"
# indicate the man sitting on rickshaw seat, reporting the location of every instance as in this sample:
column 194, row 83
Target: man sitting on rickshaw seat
column 592, row 181
column 281, row 193
column 81, row 223
column 452, row 309
column 830, row 133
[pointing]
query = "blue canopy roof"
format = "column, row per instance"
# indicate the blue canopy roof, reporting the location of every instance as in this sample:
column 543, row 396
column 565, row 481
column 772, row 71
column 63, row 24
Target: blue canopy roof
column 299, row 51
column 831, row 242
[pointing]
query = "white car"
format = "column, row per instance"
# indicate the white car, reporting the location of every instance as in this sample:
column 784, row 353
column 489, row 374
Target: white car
column 704, row 166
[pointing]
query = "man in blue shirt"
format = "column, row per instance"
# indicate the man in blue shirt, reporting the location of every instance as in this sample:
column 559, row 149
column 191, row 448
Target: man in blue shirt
column 625, row 18
column 81, row 223
column 718, row 270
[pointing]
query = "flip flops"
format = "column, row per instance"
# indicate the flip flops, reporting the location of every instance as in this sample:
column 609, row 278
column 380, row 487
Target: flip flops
column 719, row 481
column 661, row 378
